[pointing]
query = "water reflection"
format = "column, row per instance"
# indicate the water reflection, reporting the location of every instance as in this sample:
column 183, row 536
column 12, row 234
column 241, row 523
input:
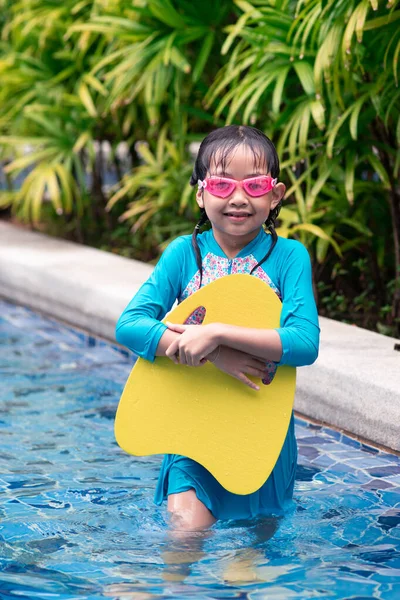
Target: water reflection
column 185, row 549
column 77, row 513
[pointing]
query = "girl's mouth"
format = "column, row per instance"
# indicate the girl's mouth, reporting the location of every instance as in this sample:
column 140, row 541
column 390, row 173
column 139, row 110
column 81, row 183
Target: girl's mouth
column 237, row 216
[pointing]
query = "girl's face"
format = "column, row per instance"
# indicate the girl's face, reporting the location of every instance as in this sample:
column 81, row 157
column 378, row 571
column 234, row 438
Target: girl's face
column 237, row 219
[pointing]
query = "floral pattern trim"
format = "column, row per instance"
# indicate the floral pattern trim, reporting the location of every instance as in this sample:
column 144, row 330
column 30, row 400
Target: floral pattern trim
column 215, row 267
column 196, row 317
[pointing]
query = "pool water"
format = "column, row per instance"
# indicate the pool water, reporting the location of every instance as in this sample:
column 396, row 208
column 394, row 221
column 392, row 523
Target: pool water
column 77, row 518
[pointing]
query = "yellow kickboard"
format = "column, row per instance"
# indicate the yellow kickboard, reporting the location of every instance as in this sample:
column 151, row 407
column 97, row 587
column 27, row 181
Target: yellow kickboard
column 200, row 412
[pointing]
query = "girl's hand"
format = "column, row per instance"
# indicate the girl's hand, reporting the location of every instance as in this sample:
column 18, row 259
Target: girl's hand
column 193, row 345
column 236, row 363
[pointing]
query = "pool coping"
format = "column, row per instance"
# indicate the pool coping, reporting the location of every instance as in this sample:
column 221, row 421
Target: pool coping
column 354, row 385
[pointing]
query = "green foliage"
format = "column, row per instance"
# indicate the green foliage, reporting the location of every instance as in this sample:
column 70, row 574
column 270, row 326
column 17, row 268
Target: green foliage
column 320, row 77
column 79, row 72
column 158, row 188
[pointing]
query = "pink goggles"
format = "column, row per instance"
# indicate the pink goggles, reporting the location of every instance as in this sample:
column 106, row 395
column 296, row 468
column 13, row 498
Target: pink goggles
column 224, row 187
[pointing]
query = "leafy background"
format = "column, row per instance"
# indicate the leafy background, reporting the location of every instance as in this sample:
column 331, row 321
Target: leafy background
column 102, row 102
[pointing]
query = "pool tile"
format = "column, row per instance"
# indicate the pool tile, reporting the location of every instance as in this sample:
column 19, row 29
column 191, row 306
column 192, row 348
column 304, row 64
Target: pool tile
column 395, row 480
column 357, row 476
column 331, row 475
column 372, row 462
column 332, row 433
column 389, row 519
column 350, row 442
column 323, row 461
column 309, row 452
column 383, row 471
column 316, row 439
column 377, row 484
column 369, row 449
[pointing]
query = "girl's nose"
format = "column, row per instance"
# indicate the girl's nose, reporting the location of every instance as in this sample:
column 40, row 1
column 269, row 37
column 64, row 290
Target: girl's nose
column 238, row 198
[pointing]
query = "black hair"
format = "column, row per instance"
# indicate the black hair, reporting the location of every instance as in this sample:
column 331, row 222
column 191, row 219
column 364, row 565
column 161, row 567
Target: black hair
column 224, row 141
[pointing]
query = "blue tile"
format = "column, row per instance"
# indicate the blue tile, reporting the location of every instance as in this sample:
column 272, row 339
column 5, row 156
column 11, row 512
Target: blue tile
column 370, row 462
column 357, row 476
column 309, row 452
column 337, row 435
column 377, row 484
column 350, row 441
column 369, row 449
column 70, row 481
column 316, row 440
column 323, row 461
column 385, row 471
column 394, row 479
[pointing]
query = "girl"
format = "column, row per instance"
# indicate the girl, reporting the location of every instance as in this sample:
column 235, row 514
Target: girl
column 236, row 173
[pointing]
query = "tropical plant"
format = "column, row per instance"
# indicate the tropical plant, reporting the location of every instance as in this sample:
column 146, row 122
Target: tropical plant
column 159, row 188
column 321, row 76
column 76, row 74
column 46, row 120
column 153, row 49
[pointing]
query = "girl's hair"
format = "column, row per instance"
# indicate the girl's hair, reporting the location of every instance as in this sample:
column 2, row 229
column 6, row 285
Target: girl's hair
column 218, row 146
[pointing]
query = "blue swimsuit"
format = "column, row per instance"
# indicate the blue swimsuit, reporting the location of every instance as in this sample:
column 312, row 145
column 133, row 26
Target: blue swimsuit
column 288, row 272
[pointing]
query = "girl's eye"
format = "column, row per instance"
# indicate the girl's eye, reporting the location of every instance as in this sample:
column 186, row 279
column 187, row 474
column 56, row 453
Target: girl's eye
column 255, row 187
column 221, row 185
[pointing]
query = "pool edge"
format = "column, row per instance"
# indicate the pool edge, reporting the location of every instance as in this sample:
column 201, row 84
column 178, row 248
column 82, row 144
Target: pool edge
column 354, row 385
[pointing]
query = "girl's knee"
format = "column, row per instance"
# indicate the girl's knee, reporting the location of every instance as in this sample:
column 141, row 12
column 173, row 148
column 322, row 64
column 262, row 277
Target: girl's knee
column 188, row 512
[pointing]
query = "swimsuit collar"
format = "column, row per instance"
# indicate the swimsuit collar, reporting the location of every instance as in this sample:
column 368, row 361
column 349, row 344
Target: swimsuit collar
column 216, row 249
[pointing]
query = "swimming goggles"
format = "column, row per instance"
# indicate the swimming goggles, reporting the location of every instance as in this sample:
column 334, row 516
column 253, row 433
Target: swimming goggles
column 222, row 187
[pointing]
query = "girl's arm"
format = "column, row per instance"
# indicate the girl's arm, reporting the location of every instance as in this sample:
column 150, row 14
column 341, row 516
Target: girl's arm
column 139, row 327
column 299, row 330
column 264, row 343
column 165, row 341
column 296, row 341
column 195, row 342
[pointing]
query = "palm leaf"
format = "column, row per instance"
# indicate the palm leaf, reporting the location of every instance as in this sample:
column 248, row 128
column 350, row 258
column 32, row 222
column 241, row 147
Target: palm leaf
column 380, row 170
column 305, row 73
column 317, row 232
column 349, row 175
column 203, row 55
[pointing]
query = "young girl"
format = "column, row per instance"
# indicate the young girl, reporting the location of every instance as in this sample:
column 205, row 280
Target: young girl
column 236, row 173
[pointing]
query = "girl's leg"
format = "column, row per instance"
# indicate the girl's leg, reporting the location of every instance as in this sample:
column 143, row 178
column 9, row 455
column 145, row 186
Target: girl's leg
column 183, row 551
column 188, row 513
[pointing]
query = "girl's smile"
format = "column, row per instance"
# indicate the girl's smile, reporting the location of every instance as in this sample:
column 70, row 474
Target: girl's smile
column 237, row 218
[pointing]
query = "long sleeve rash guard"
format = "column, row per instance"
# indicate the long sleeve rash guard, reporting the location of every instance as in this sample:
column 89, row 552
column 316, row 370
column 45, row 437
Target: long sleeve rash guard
column 287, row 271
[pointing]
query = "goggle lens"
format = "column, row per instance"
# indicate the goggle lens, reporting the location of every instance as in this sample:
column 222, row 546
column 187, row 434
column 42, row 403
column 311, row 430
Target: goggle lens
column 220, row 187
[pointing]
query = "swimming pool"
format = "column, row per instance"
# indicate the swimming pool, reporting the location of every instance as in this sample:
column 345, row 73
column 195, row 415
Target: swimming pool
column 76, row 513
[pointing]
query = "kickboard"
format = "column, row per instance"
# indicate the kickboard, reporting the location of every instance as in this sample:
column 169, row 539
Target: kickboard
column 200, row 412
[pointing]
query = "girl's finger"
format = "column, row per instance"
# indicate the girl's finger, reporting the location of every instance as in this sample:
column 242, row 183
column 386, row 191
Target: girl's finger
column 257, row 363
column 197, row 361
column 182, row 357
column 172, row 352
column 175, row 327
column 242, row 377
column 257, row 372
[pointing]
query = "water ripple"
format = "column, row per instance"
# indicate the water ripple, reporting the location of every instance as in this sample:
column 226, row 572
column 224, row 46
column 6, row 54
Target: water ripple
column 77, row 513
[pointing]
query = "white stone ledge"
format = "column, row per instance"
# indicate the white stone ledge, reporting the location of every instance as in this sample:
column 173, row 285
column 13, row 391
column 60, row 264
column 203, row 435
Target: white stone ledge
column 354, row 385
column 81, row 285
